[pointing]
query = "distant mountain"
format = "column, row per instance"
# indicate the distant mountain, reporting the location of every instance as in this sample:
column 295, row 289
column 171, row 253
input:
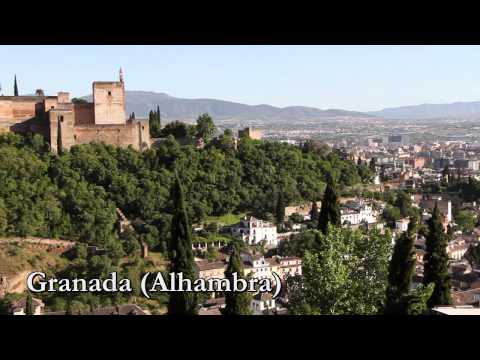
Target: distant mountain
column 172, row 108
column 431, row 111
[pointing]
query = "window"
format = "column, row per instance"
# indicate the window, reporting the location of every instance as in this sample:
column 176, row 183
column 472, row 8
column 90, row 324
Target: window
column 109, row 93
column 60, row 118
column 74, row 137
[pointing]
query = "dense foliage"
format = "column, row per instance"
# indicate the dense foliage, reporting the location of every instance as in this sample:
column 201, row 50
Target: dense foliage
column 344, row 272
column 74, row 195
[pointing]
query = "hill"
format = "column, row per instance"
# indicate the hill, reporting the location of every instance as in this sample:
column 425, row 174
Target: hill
column 467, row 110
column 173, row 108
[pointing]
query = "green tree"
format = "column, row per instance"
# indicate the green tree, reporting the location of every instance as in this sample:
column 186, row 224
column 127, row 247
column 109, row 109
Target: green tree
column 280, row 208
column 330, row 210
column 401, row 268
column 465, row 220
column 236, row 303
column 436, row 262
column 314, row 211
column 373, row 165
column 29, row 305
column 181, row 303
column 205, row 127
column 154, row 121
column 345, row 273
column 15, row 87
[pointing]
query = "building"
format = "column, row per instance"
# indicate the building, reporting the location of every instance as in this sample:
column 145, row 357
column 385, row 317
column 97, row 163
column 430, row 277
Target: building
column 444, row 206
column 253, row 231
column 401, row 225
column 396, row 141
column 256, row 266
column 19, row 307
column 456, row 310
column 65, row 123
column 456, row 250
column 262, row 304
column 467, row 164
column 357, row 212
column 254, row 134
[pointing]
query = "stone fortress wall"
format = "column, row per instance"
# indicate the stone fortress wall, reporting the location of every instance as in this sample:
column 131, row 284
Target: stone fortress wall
column 103, row 120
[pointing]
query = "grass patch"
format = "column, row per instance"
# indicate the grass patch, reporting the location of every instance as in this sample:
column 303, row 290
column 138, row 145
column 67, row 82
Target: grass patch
column 225, row 220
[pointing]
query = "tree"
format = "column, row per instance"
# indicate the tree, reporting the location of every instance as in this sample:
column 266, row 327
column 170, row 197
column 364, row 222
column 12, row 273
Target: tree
column 154, row 121
column 29, row 305
column 79, row 101
column 404, row 203
column 373, row 165
column 280, row 208
column 465, row 220
column 181, row 303
column 330, row 210
column 15, row 87
column 401, row 268
column 205, row 127
column 314, row 211
column 236, row 303
column 344, row 273
column 436, row 262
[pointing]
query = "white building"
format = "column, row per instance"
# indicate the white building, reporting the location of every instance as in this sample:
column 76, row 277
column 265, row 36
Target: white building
column 263, row 303
column 402, row 225
column 356, row 212
column 253, row 231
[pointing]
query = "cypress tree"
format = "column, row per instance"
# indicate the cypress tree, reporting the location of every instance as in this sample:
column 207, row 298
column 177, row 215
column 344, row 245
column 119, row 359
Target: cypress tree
column 236, row 303
column 181, row 303
column 29, row 305
column 314, row 211
column 159, row 119
column 280, row 208
column 330, row 210
column 15, row 87
column 401, row 268
column 373, row 165
column 436, row 262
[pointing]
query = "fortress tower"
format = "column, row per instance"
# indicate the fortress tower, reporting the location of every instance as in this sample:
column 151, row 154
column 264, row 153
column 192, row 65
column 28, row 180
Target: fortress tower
column 65, row 124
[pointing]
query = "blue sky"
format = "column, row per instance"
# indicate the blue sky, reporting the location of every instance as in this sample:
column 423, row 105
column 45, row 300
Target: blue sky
column 344, row 77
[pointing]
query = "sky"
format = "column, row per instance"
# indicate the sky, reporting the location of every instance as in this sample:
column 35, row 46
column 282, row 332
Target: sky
column 361, row 78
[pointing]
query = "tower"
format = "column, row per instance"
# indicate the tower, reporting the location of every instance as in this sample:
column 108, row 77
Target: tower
column 120, row 73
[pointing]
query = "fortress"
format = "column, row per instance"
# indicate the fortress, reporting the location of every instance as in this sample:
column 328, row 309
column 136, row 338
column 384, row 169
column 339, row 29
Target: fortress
column 64, row 123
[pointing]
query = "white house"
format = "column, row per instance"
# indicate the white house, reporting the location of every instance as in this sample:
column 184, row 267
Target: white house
column 402, row 225
column 263, row 303
column 356, row 212
column 257, row 266
column 253, row 231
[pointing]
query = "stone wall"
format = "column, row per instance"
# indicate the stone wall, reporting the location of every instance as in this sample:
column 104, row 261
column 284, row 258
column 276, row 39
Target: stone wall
column 84, row 114
column 109, row 103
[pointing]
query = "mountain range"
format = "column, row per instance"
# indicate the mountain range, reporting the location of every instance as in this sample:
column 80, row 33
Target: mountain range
column 174, row 108
column 467, row 110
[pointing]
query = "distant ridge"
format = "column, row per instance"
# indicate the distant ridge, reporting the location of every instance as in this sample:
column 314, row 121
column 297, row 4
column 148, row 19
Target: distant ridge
column 173, row 108
column 432, row 111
